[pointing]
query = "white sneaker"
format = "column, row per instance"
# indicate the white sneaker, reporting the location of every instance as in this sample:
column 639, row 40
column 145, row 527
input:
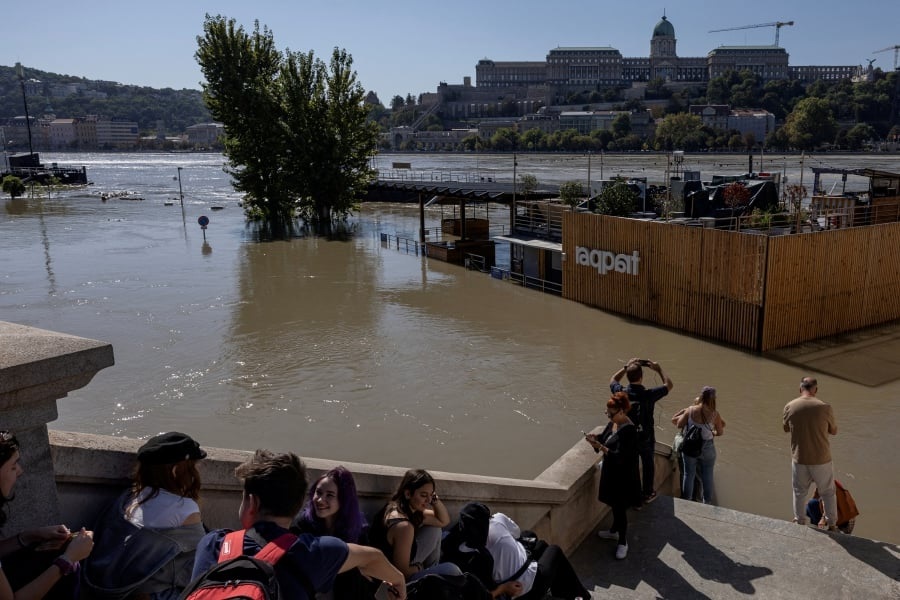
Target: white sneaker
column 621, row 551
column 607, row 535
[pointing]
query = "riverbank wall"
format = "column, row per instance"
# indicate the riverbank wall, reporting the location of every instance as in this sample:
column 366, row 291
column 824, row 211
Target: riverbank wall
column 72, row 477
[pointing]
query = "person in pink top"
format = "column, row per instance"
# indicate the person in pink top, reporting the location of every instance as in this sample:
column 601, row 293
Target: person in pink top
column 810, row 421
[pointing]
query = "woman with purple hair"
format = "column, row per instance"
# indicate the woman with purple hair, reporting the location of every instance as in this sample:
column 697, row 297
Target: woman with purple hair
column 332, row 508
column 702, row 413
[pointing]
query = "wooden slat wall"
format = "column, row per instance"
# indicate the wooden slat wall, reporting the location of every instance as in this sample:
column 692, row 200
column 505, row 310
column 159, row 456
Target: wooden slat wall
column 831, row 282
column 754, row 291
column 702, row 281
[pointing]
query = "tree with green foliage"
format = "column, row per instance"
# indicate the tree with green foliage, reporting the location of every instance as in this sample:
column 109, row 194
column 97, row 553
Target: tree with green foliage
column 533, row 139
column 571, row 193
column 13, row 186
column 505, row 139
column 617, row 200
column 679, row 131
column 859, row 134
column 297, row 136
column 621, row 125
column 810, row 124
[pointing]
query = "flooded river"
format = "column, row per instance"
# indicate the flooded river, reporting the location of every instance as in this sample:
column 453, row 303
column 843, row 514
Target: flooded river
column 345, row 349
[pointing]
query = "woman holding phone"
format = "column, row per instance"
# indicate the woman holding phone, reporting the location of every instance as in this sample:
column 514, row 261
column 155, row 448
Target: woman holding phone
column 620, row 479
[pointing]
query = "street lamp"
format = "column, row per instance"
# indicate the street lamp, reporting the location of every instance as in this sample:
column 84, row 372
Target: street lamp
column 180, row 192
column 20, row 71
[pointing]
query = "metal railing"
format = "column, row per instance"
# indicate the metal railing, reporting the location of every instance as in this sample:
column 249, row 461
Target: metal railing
column 403, row 244
column 476, row 262
column 534, row 283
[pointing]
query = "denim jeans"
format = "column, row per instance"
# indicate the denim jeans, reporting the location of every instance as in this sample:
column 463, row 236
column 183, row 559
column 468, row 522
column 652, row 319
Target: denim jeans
column 703, row 466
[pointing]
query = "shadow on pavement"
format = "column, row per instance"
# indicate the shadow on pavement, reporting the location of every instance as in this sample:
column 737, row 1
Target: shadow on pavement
column 659, row 545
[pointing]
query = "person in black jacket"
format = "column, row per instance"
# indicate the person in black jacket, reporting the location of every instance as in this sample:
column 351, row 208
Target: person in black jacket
column 620, row 483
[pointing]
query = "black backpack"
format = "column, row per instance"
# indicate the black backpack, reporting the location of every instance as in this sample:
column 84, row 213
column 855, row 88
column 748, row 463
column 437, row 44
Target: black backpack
column 237, row 576
column 693, row 441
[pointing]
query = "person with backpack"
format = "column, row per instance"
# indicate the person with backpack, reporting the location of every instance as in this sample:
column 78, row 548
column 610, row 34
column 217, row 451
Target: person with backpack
column 465, row 545
column 705, row 419
column 643, row 401
column 274, row 489
column 145, row 541
column 846, row 509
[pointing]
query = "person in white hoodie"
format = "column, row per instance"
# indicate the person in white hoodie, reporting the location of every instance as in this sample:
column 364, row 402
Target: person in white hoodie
column 546, row 569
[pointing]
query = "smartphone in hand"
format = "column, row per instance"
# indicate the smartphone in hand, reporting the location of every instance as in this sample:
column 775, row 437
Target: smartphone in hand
column 385, row 592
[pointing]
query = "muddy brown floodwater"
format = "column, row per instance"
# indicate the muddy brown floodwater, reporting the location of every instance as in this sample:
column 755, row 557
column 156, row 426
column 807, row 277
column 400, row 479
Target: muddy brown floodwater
column 344, row 349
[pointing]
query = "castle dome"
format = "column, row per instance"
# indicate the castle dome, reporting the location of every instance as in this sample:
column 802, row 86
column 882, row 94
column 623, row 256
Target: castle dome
column 664, row 28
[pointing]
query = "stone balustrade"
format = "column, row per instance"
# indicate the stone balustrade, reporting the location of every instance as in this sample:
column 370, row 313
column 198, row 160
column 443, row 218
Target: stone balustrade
column 71, row 477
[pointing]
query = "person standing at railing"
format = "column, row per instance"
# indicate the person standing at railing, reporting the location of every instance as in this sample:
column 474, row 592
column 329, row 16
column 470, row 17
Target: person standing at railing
column 643, row 402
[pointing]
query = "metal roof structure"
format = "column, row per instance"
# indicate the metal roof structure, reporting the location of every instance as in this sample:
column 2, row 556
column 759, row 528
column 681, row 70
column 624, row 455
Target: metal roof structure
column 450, row 192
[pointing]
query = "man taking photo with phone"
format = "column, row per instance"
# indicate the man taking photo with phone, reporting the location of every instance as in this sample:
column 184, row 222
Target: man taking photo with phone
column 643, row 401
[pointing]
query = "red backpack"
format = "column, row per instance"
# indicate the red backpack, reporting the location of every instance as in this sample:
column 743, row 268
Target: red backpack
column 241, row 577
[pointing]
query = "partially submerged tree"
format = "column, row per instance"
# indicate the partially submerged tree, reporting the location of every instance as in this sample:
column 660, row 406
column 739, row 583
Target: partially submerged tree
column 13, row 186
column 297, row 135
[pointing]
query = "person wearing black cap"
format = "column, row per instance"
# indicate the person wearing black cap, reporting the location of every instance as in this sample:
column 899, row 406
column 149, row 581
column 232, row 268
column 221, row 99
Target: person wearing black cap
column 147, row 539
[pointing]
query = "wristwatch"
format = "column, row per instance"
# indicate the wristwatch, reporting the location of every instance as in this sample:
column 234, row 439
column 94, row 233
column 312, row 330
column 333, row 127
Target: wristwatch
column 66, row 567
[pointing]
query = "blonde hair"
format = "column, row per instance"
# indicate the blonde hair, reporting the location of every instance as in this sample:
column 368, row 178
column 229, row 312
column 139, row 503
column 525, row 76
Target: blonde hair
column 706, row 401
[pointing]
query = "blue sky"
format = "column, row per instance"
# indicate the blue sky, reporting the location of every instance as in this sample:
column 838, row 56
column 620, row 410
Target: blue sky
column 404, row 46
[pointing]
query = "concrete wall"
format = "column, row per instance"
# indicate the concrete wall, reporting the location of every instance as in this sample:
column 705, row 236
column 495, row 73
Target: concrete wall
column 560, row 504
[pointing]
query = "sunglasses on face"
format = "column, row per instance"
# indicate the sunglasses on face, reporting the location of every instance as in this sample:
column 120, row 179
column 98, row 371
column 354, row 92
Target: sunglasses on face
column 612, row 413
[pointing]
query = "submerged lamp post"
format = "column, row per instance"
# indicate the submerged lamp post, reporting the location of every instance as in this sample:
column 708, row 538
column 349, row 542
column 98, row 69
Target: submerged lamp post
column 180, row 192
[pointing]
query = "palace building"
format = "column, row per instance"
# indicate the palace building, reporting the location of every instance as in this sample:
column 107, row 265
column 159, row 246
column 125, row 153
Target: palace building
column 569, row 70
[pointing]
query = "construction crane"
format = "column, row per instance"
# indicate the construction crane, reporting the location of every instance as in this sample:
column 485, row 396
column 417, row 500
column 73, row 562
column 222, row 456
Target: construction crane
column 895, row 48
column 777, row 25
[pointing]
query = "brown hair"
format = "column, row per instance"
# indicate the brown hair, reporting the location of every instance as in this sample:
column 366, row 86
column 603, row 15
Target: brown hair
column 619, row 401
column 181, row 478
column 707, row 402
column 278, row 480
column 634, row 372
column 412, row 480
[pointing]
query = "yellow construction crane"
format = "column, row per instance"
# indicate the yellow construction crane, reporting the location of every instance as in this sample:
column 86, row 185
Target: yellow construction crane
column 777, row 25
column 895, row 48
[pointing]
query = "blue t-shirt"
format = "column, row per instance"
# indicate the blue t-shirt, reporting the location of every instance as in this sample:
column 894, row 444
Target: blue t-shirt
column 319, row 558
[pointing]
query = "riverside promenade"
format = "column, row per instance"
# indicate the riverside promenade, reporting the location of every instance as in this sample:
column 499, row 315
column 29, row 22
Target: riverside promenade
column 679, row 549
column 686, row 550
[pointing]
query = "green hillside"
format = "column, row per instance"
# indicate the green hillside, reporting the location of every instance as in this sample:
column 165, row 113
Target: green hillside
column 177, row 109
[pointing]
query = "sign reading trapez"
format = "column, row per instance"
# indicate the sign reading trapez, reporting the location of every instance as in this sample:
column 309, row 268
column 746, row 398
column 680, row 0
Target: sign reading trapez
column 203, row 221
column 605, row 261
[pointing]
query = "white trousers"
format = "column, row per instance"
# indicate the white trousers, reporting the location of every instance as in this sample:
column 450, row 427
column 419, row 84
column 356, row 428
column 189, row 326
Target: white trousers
column 802, row 477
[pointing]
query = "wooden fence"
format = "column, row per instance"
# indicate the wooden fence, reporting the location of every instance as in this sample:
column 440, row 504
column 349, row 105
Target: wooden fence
column 754, row 291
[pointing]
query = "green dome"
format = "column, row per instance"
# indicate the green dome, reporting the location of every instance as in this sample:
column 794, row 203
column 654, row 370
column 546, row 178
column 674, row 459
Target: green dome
column 664, row 28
